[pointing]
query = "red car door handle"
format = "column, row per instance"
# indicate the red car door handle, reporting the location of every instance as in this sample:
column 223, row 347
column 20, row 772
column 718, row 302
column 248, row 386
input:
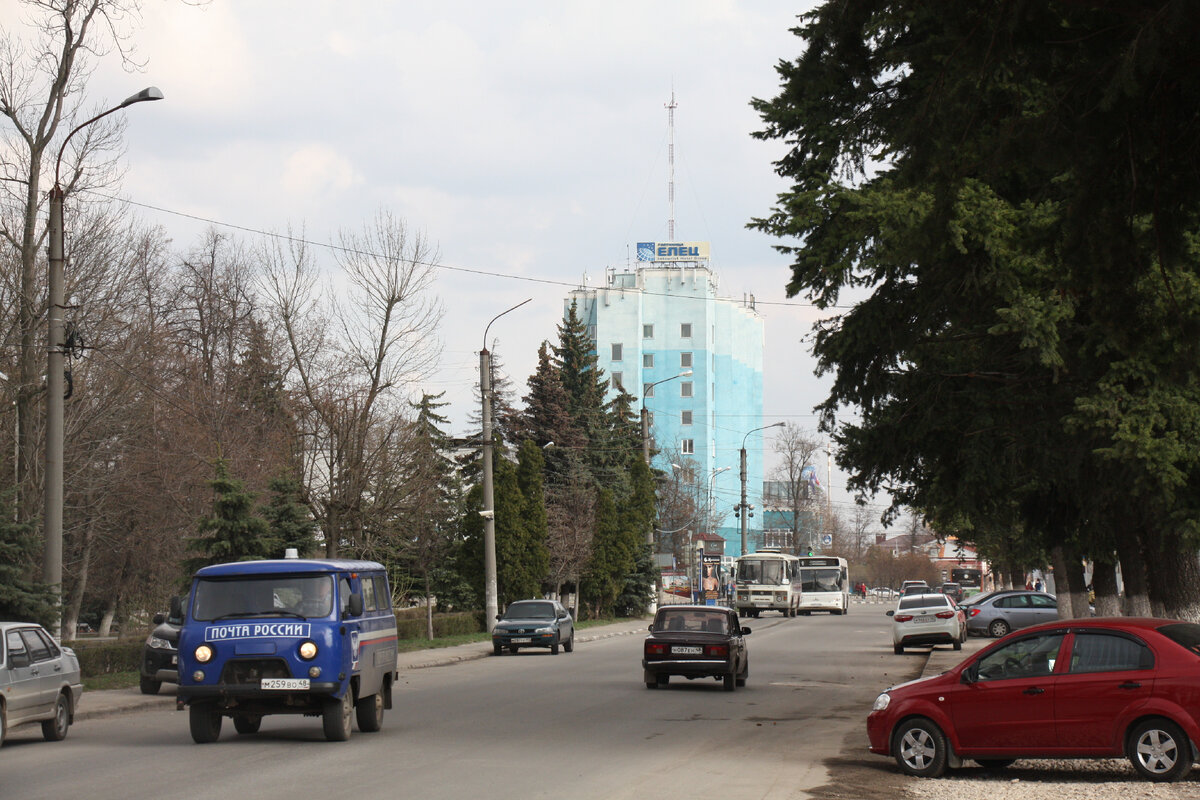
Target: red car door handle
column 1034, row 690
column 1130, row 685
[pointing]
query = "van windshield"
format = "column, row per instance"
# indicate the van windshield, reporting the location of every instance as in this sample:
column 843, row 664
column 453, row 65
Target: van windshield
column 754, row 570
column 307, row 596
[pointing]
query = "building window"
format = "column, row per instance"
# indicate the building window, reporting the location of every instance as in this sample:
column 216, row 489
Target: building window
column 616, row 352
column 618, row 380
column 648, row 360
column 685, row 418
column 685, row 360
column 685, row 388
column 647, row 331
column 647, row 390
column 687, row 447
column 685, row 330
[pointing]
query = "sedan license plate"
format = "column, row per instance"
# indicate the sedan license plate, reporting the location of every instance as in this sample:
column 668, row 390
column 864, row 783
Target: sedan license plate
column 283, row 683
column 681, row 650
column 920, row 620
column 521, row 640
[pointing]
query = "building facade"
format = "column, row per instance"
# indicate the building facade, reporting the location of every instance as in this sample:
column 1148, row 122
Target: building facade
column 653, row 322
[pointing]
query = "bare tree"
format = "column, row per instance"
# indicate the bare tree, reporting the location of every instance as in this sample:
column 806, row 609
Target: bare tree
column 797, row 449
column 351, row 358
column 43, row 73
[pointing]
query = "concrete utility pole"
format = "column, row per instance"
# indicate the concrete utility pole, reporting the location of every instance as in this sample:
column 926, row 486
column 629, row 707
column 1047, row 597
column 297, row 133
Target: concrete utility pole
column 742, row 507
column 52, row 556
column 490, row 593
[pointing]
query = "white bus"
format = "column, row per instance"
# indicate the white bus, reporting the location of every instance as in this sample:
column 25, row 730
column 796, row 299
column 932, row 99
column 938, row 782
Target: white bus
column 767, row 581
column 824, row 584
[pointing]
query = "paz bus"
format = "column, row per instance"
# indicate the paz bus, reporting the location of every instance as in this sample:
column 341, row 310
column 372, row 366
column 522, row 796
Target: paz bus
column 824, row 584
column 767, row 580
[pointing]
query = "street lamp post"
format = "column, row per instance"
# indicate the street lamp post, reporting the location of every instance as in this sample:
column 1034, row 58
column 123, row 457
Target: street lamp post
column 490, row 594
column 742, row 506
column 646, row 419
column 52, row 557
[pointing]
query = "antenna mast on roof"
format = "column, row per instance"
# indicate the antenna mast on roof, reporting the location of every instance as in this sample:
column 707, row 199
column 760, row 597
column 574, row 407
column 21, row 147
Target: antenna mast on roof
column 671, row 163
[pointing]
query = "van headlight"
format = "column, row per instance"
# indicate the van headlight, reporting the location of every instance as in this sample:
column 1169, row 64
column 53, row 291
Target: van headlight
column 882, row 702
column 203, row 654
column 308, row 650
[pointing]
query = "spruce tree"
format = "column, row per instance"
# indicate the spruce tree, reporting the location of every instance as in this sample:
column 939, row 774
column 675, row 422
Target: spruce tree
column 232, row 532
column 288, row 518
column 21, row 597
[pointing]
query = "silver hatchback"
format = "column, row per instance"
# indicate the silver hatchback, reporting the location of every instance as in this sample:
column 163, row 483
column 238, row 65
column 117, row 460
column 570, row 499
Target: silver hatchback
column 39, row 680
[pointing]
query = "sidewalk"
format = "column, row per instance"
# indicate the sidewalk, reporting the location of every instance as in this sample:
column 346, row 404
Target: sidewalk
column 943, row 657
column 108, row 702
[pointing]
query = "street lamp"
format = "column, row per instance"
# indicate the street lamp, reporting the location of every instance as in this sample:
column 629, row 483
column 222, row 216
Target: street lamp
column 742, row 506
column 646, row 419
column 709, row 506
column 488, row 513
column 52, row 557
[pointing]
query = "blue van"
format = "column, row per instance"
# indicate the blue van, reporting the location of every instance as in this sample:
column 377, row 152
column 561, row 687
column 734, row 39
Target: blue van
column 288, row 636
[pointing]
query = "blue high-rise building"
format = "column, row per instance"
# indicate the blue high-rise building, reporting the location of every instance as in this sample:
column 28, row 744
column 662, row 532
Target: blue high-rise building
column 664, row 317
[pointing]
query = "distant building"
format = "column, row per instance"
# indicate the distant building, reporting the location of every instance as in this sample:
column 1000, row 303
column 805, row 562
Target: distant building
column 663, row 317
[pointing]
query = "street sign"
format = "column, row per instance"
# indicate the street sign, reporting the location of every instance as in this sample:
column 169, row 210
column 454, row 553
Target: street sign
column 827, row 539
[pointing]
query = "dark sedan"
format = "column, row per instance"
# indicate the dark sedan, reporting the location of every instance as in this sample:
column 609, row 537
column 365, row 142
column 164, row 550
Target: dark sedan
column 534, row 623
column 696, row 642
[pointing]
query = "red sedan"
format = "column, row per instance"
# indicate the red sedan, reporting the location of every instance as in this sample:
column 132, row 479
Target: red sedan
column 1080, row 688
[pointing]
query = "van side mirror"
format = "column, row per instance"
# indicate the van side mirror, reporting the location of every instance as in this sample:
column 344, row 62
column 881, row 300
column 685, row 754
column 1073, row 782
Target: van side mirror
column 356, row 604
column 176, row 607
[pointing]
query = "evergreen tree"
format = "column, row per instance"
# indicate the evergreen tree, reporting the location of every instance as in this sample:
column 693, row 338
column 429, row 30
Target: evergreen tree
column 1026, row 359
column 232, row 532
column 612, row 558
column 21, row 597
column 432, row 506
column 288, row 519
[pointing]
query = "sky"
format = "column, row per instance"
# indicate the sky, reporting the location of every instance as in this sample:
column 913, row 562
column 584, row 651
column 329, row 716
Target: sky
column 527, row 140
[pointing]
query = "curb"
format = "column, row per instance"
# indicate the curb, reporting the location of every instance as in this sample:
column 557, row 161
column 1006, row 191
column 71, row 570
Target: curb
column 443, row 657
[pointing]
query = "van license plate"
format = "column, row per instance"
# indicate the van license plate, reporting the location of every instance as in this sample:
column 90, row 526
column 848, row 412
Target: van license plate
column 284, row 683
column 687, row 651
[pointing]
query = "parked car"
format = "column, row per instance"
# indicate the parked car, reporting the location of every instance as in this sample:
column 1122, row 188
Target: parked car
column 39, row 681
column 998, row 613
column 1079, row 688
column 696, row 642
column 534, row 623
column 160, row 655
column 927, row 619
column 952, row 590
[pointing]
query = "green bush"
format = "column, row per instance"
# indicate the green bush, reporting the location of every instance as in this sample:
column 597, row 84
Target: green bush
column 103, row 658
column 413, row 627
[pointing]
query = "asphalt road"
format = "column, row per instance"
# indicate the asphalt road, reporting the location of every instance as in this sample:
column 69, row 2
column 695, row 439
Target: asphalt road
column 577, row 725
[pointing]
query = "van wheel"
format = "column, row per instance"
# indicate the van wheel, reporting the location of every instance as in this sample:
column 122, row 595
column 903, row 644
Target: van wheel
column 369, row 712
column 149, row 685
column 1159, row 750
column 243, row 723
column 336, row 717
column 919, row 747
column 55, row 730
column 205, row 723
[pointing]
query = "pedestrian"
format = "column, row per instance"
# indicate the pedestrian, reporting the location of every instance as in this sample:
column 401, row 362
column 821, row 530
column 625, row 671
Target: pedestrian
column 1028, row 586
column 1037, row 585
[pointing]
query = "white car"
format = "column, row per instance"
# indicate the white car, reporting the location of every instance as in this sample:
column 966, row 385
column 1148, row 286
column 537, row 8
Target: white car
column 39, row 680
column 927, row 619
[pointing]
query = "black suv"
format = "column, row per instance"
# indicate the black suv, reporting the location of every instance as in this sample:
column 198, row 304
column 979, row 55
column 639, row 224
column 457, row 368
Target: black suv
column 160, row 656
